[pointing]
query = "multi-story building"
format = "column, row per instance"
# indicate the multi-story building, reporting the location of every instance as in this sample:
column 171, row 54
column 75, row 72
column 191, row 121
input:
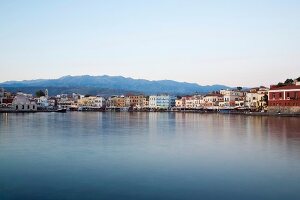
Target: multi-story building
column 284, row 99
column 256, row 98
column 91, row 102
column 116, row 102
column 145, row 102
column 212, row 100
column 135, row 101
column 66, row 103
column 231, row 97
column 153, row 101
column 42, row 102
column 179, row 103
column 194, row 102
column 161, row 101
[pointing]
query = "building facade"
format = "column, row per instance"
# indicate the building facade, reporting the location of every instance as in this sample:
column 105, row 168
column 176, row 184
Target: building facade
column 22, row 102
column 161, row 101
column 284, row 99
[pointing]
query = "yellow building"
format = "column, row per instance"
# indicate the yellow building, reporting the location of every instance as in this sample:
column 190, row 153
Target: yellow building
column 118, row 102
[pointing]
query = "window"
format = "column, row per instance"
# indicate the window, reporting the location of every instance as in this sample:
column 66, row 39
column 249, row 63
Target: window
column 280, row 95
column 23, row 107
column 288, row 94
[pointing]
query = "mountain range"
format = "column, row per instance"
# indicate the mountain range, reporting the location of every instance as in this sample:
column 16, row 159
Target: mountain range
column 108, row 85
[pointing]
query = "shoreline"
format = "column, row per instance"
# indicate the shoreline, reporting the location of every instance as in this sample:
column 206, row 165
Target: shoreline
column 169, row 111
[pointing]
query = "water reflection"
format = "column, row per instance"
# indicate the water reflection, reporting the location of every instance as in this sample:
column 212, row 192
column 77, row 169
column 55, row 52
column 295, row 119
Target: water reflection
column 148, row 156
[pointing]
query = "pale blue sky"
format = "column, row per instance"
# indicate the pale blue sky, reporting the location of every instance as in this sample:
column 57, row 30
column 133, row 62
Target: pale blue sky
column 230, row 42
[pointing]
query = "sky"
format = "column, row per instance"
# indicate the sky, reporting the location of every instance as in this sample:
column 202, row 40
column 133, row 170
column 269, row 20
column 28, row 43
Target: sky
column 232, row 42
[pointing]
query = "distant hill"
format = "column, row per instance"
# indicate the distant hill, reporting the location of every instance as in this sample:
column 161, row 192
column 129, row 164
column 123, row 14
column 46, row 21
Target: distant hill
column 108, row 85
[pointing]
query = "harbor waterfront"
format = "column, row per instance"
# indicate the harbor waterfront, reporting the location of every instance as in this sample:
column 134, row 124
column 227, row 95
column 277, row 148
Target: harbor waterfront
column 283, row 98
column 148, row 155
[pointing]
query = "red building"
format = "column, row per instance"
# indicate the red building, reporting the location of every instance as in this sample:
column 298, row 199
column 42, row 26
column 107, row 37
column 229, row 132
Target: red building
column 284, row 98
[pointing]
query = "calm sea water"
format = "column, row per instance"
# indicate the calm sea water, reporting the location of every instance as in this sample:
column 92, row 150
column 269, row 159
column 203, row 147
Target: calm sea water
column 148, row 156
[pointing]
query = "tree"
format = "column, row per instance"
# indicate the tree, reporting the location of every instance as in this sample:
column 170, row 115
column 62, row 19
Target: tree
column 289, row 81
column 298, row 79
column 280, row 84
column 39, row 93
column 239, row 88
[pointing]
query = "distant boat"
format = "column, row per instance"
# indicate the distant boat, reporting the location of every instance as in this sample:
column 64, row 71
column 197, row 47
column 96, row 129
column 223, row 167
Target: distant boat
column 62, row 110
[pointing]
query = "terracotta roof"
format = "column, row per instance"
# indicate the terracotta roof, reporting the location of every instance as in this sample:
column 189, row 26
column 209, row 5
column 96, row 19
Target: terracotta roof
column 287, row 87
column 7, row 101
column 214, row 95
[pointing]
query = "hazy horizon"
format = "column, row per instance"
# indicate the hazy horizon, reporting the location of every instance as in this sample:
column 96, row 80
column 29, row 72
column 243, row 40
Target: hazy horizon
column 245, row 86
column 230, row 43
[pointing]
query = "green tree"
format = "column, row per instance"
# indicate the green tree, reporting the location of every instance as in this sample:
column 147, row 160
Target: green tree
column 298, row 79
column 239, row 88
column 289, row 81
column 280, row 84
column 39, row 93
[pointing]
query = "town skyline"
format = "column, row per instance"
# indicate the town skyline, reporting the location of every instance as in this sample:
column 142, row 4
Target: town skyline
column 283, row 97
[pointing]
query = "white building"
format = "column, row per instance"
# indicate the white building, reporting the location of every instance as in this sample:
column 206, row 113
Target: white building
column 194, row 102
column 42, row 102
column 232, row 96
column 22, row 102
column 152, row 101
column 99, row 102
column 92, row 102
column 252, row 99
column 256, row 98
column 161, row 101
column 211, row 100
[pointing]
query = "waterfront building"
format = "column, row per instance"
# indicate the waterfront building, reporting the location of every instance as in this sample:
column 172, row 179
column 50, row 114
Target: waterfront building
column 212, row 100
column 161, row 101
column 239, row 103
column 145, row 102
column 193, row 102
column 116, row 102
column 256, row 98
column 6, row 102
column 198, row 101
column 52, row 102
column 23, row 102
column 5, row 99
column 179, row 103
column 66, row 103
column 188, row 102
column 99, row 102
column 152, row 101
column 231, row 97
column 42, row 102
column 91, row 102
column 284, row 99
column 135, row 101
